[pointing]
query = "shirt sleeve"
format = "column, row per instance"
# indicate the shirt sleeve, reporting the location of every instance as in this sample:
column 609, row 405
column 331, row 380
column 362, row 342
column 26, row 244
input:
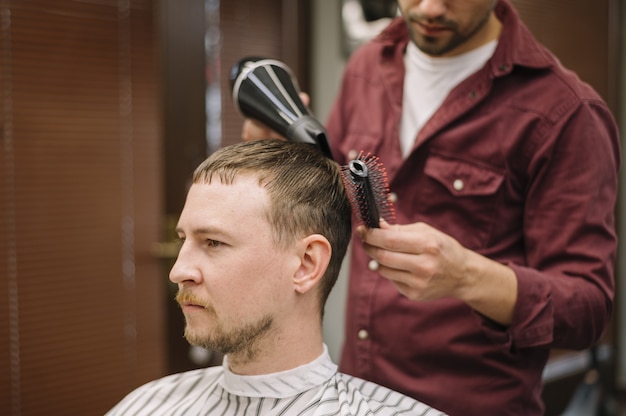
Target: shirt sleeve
column 565, row 291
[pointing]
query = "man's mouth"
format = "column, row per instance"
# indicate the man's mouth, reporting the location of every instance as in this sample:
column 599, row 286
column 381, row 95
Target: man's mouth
column 187, row 300
column 431, row 29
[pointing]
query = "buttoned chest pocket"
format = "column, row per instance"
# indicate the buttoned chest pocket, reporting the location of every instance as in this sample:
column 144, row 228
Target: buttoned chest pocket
column 463, row 198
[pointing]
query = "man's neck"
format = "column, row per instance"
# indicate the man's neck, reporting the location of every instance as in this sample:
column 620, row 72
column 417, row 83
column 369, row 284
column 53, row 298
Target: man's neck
column 279, row 352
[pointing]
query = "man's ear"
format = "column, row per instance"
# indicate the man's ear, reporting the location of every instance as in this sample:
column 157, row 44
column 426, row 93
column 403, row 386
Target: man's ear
column 315, row 252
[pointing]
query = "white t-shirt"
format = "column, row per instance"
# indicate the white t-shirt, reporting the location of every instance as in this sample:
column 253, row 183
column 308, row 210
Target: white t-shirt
column 314, row 389
column 428, row 81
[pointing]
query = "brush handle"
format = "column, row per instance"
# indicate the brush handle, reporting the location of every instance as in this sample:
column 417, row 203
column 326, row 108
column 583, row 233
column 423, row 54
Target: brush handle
column 366, row 198
column 367, row 187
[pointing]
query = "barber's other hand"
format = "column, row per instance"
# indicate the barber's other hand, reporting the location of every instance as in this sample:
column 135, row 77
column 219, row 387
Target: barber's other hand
column 255, row 130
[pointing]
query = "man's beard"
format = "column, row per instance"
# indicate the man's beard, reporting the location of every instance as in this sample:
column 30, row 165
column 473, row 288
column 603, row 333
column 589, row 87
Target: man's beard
column 430, row 46
column 242, row 341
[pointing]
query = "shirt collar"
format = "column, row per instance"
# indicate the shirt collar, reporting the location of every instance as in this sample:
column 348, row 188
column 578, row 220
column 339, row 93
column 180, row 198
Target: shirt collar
column 516, row 46
column 282, row 384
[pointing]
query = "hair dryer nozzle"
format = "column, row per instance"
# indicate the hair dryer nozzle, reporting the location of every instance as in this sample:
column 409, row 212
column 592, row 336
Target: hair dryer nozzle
column 266, row 90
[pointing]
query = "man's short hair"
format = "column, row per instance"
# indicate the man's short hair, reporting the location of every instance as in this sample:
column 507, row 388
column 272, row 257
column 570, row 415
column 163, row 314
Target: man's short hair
column 305, row 189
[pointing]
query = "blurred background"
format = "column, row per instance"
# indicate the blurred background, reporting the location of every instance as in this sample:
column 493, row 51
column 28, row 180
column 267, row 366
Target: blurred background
column 107, row 106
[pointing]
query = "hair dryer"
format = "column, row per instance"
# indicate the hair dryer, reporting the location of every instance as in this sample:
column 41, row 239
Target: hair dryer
column 266, row 90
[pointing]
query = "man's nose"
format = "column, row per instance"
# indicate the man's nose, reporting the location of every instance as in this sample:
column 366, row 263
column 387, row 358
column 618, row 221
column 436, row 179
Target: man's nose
column 432, row 8
column 186, row 267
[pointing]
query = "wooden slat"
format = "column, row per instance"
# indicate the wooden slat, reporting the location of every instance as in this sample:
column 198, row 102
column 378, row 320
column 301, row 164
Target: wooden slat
column 83, row 113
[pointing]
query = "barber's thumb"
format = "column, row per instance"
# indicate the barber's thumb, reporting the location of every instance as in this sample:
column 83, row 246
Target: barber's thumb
column 306, row 99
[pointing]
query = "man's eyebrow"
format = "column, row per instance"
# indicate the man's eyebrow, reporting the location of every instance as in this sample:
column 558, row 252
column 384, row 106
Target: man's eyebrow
column 201, row 231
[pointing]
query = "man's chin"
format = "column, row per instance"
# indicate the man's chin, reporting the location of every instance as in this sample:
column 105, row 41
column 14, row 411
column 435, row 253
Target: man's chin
column 198, row 340
column 432, row 47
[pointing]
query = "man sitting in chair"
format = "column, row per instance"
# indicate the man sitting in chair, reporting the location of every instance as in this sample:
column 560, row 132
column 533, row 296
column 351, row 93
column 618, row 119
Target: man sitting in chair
column 264, row 231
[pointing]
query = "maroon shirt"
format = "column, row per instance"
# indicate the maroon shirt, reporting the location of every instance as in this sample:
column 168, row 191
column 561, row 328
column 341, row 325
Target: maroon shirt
column 519, row 164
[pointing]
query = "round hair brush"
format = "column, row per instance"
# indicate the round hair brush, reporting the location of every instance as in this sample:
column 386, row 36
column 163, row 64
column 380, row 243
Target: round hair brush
column 365, row 180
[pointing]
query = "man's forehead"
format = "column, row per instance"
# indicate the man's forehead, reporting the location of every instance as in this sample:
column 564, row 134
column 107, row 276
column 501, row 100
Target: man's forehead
column 237, row 201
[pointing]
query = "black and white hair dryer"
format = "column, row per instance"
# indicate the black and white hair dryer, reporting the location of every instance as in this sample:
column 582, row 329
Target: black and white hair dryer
column 266, row 90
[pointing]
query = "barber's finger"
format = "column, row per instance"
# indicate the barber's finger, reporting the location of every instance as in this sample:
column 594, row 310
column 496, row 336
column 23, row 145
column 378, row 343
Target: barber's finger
column 383, row 224
column 306, row 100
column 361, row 230
column 254, row 130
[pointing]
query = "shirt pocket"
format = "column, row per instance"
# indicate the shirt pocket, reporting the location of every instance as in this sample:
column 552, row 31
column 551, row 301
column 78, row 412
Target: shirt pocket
column 462, row 199
column 462, row 178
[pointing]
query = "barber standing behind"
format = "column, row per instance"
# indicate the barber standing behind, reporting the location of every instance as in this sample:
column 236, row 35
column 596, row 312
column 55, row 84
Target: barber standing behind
column 505, row 169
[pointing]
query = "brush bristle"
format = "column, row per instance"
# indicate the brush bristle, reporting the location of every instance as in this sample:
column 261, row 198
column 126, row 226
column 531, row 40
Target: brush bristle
column 367, row 186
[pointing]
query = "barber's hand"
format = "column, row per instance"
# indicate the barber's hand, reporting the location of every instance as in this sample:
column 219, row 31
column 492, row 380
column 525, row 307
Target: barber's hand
column 255, row 130
column 426, row 264
column 422, row 262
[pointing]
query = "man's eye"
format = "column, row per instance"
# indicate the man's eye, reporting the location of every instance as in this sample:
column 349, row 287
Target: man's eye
column 213, row 243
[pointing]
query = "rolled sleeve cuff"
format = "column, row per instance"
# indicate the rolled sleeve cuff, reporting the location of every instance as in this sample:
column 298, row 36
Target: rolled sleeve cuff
column 533, row 317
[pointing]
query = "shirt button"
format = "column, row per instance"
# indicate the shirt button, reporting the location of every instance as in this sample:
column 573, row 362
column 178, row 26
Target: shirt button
column 353, row 154
column 393, row 197
column 458, row 184
column 362, row 334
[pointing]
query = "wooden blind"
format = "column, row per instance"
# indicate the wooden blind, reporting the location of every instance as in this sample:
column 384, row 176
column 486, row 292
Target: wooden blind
column 79, row 204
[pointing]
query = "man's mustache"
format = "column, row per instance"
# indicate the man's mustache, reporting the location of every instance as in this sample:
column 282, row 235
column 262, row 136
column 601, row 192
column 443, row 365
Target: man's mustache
column 439, row 21
column 187, row 298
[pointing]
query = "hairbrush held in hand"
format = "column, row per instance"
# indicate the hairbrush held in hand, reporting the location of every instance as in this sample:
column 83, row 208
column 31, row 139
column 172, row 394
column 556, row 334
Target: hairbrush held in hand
column 365, row 179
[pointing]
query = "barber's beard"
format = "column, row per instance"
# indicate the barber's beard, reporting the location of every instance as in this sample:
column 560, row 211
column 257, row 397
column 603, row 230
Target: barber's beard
column 241, row 341
column 435, row 46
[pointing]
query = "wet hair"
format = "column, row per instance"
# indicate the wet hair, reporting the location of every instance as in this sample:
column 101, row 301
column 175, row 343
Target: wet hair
column 306, row 193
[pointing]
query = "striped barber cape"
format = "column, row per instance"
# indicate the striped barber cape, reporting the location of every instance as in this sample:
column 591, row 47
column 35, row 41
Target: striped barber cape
column 314, row 389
